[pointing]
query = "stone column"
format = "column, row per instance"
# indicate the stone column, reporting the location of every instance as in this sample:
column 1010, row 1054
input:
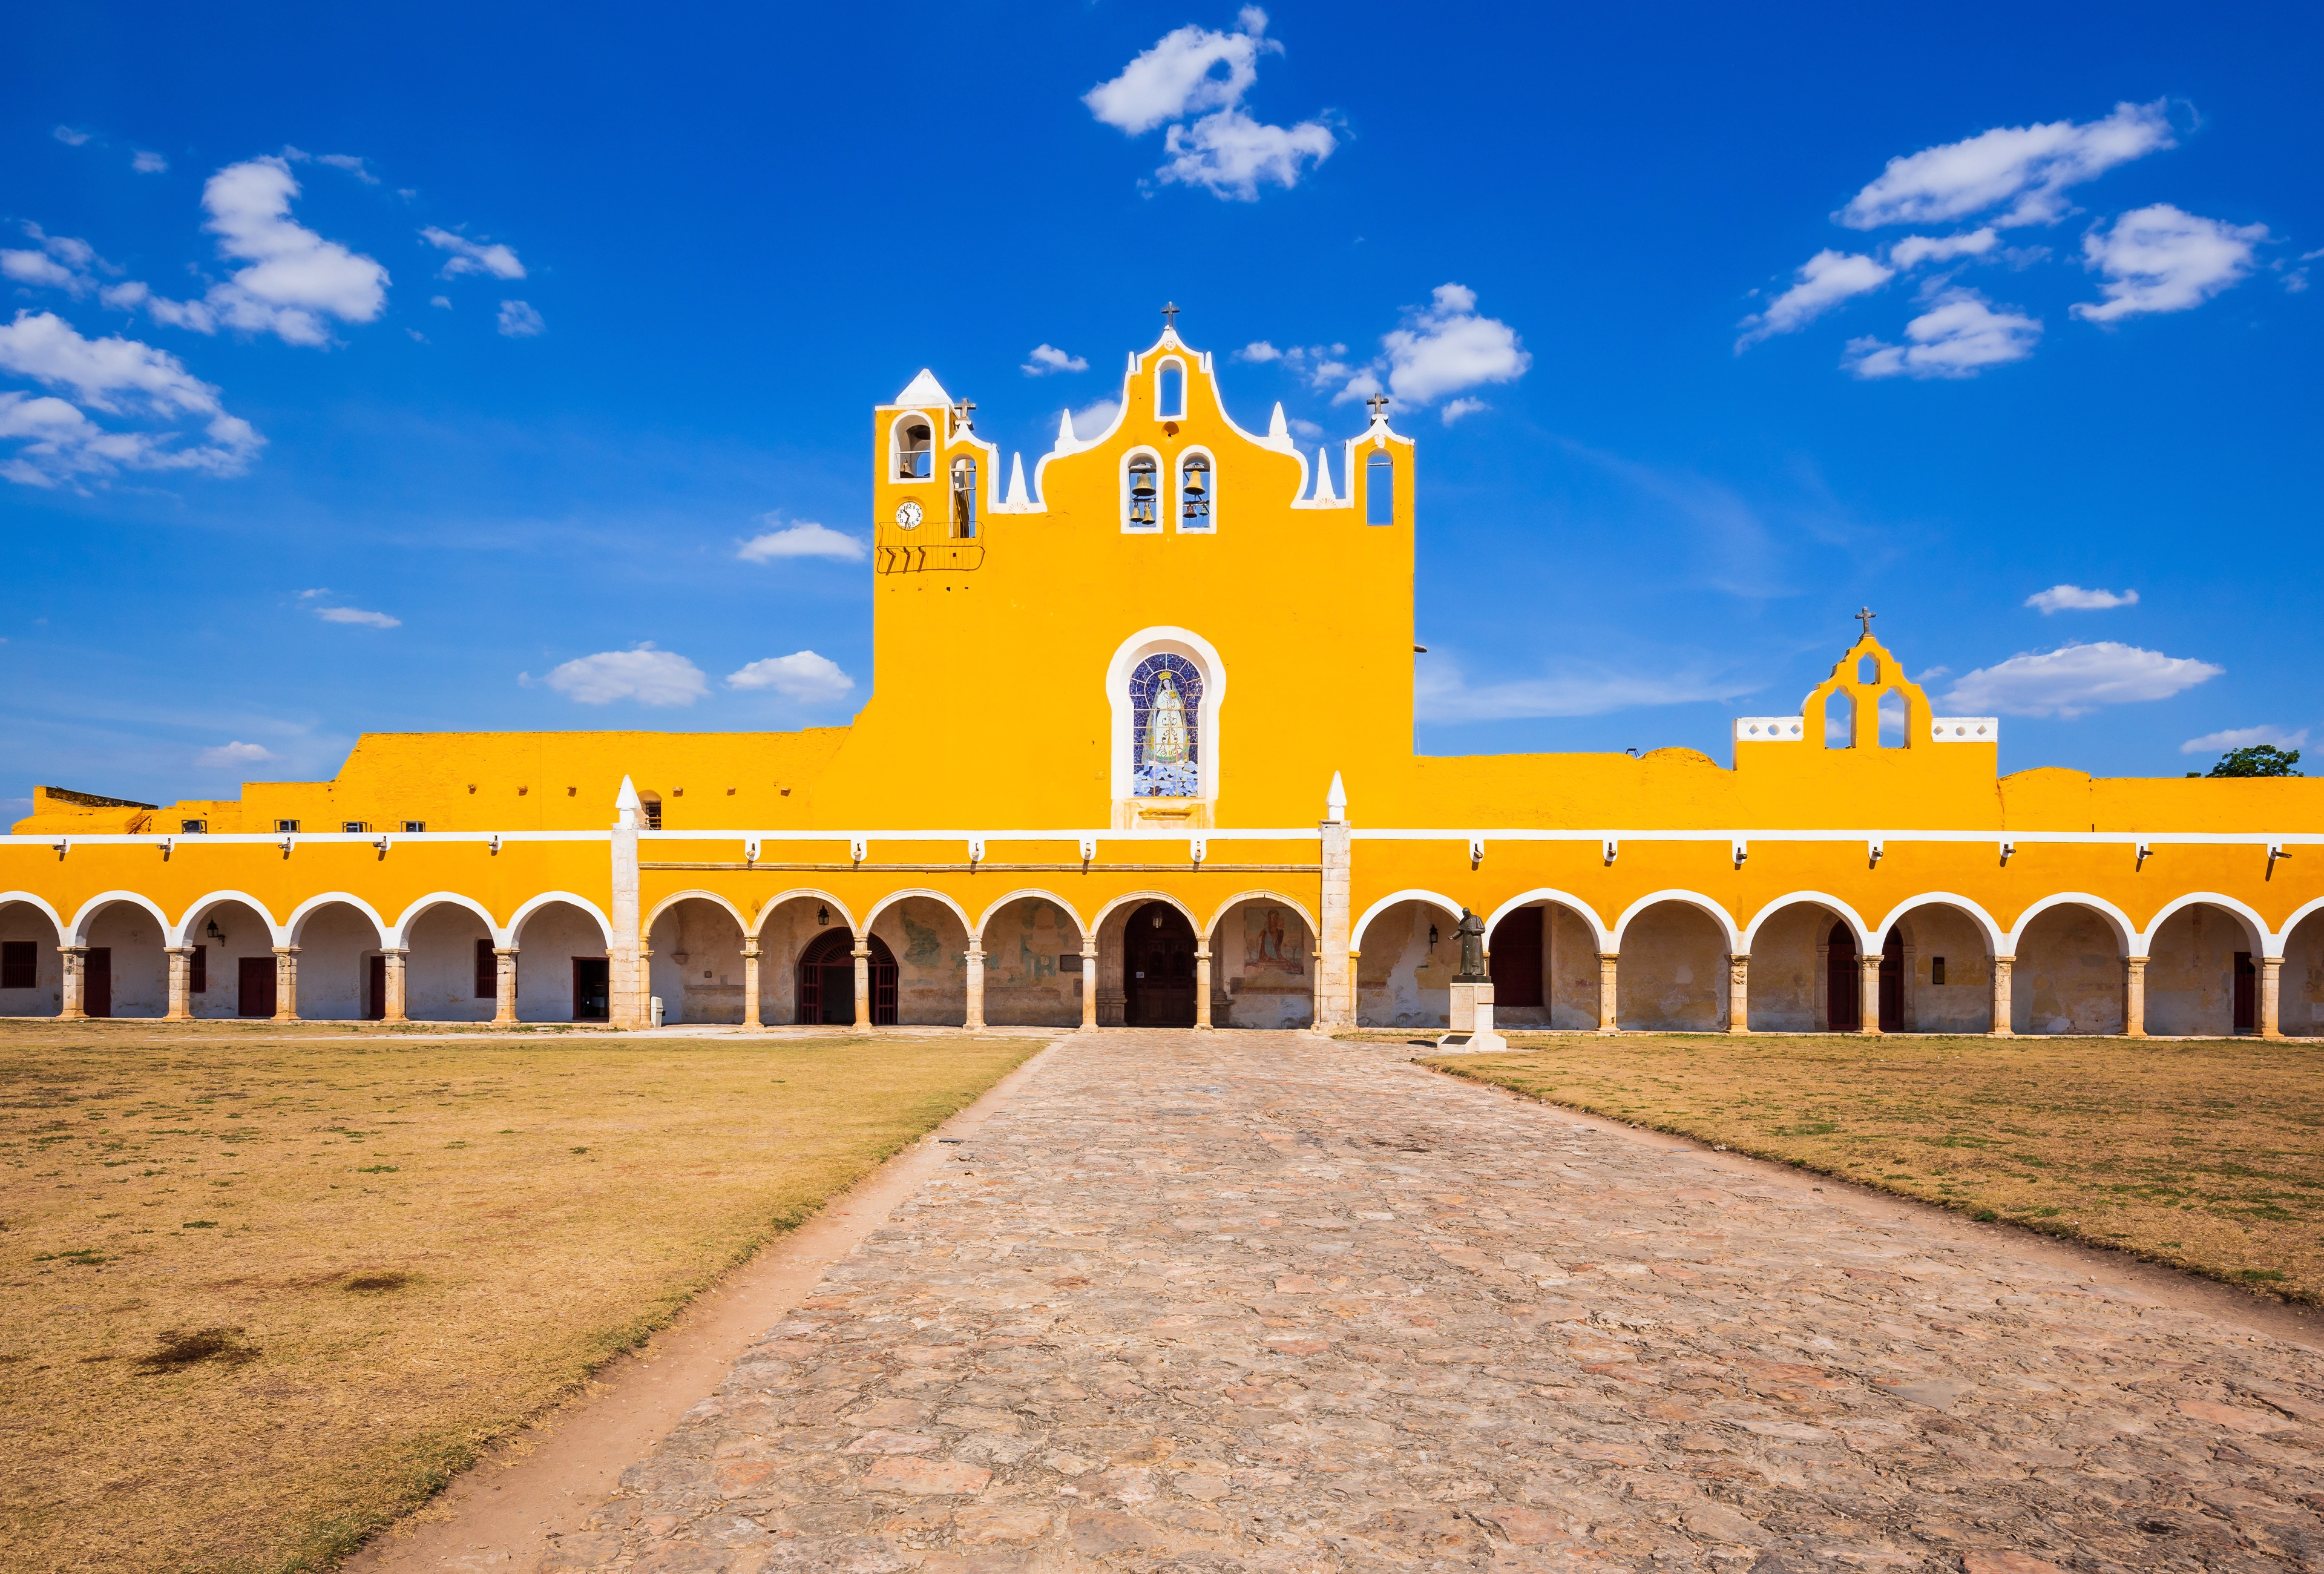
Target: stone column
column 2001, row 1015
column 393, row 1006
column 2134, row 997
column 751, row 982
column 1608, row 999
column 286, row 982
column 863, row 981
column 975, row 984
column 1868, row 1006
column 1203, row 984
column 1355, row 985
column 627, row 985
column 1738, row 993
column 181, row 984
column 2270, row 996
column 73, row 985
column 503, row 983
column 1336, row 965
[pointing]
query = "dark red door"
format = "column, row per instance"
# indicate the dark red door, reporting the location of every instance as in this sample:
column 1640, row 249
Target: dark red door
column 827, row 981
column 1892, row 983
column 375, row 990
column 2246, row 994
column 1159, row 967
column 1515, row 958
column 592, row 988
column 97, row 982
column 254, row 988
column 1844, row 994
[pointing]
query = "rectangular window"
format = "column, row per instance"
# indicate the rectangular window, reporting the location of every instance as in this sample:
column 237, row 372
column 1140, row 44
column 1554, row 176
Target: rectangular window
column 197, row 971
column 285, row 827
column 20, row 964
column 1936, row 970
column 1379, row 490
column 193, row 827
column 488, row 972
column 355, row 826
column 414, row 827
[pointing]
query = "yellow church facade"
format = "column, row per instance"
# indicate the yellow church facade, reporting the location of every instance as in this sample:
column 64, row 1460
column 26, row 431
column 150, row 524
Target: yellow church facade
column 1197, row 826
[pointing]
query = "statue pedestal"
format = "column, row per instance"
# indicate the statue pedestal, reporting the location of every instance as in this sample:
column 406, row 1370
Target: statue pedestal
column 1472, row 1020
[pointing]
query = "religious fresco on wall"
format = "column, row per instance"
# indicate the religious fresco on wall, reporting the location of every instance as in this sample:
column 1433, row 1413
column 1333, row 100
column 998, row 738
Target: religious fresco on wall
column 921, row 948
column 1166, row 697
column 1274, row 940
column 1028, row 959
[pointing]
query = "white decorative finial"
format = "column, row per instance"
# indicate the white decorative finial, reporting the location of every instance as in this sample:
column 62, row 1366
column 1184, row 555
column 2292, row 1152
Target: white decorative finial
column 1066, row 442
column 1017, row 481
column 1323, row 493
column 1278, row 430
column 1335, row 801
column 629, row 807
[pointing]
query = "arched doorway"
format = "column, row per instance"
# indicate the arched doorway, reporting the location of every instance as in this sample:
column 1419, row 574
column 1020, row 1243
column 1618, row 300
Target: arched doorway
column 1843, row 982
column 1157, row 978
column 827, row 981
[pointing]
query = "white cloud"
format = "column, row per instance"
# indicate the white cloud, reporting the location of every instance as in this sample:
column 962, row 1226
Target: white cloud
column 1444, row 347
column 1824, row 281
column 319, row 590
column 117, row 376
column 1258, row 350
column 443, row 301
column 1302, row 427
column 69, row 136
column 1046, row 358
column 518, row 319
column 2076, row 680
column 2243, row 738
column 1191, row 71
column 145, row 164
column 470, row 257
column 1915, row 249
column 235, row 753
column 802, row 675
column 804, row 540
column 2029, row 167
column 356, row 615
column 1093, row 420
column 41, row 271
column 1461, row 407
column 1442, row 692
column 649, row 676
column 2160, row 259
column 2074, row 598
column 296, row 279
column 351, row 164
column 1959, row 337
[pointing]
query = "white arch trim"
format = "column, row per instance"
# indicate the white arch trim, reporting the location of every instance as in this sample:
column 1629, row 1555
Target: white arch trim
column 2255, row 927
column 411, row 915
column 1137, row 899
column 534, row 904
column 281, row 933
column 1943, row 899
column 2282, row 939
column 1811, row 898
column 1356, row 935
column 1027, row 895
column 893, row 897
column 2126, row 933
column 1219, row 915
column 77, row 931
column 29, row 899
column 1694, row 899
column 296, row 924
column 1153, row 642
column 1564, row 899
column 802, row 894
column 672, row 900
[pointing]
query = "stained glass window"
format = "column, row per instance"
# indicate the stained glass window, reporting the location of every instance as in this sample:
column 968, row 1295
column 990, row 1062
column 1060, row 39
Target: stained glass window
column 1166, row 697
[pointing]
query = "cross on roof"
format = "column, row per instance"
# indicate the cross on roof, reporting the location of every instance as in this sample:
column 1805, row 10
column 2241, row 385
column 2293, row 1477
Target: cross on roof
column 962, row 410
column 1865, row 617
column 1170, row 315
column 1376, row 404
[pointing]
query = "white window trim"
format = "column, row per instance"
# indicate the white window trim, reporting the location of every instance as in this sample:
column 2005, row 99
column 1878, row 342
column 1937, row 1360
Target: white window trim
column 1162, row 492
column 896, row 449
column 1156, row 642
column 1178, row 488
column 1380, row 451
column 1186, row 388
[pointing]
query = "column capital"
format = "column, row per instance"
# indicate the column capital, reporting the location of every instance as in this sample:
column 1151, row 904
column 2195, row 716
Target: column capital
column 286, row 950
column 2005, row 957
column 395, row 951
column 182, row 950
column 2136, row 964
column 1610, row 955
column 1739, row 956
column 751, row 948
column 72, row 950
column 504, row 951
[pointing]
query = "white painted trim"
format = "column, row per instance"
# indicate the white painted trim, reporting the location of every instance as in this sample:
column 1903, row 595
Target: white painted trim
column 1965, row 729
column 1027, row 894
column 1770, row 729
column 770, row 839
column 1707, row 906
column 1432, row 898
column 413, row 913
column 2282, row 939
column 1177, row 490
column 2255, row 926
column 2125, row 933
column 183, row 841
column 202, row 904
column 29, row 899
column 1985, row 921
column 802, row 894
column 1139, row 899
column 296, row 924
column 2103, row 839
column 675, row 897
column 535, row 903
column 1566, row 899
column 1154, row 641
column 894, row 897
column 77, row 933
column 1219, row 914
column 1822, row 899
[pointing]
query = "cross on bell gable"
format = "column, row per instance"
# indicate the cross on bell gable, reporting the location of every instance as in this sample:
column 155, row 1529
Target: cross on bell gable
column 1170, row 315
column 963, row 411
column 1377, row 404
column 1865, row 617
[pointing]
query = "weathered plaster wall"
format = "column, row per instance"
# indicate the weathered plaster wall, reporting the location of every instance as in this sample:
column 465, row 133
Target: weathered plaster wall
column 21, row 921
column 931, row 945
column 439, row 976
column 2301, row 1004
column 1032, row 954
column 1262, row 967
column 2068, row 975
column 1544, row 1015
column 335, row 945
column 1672, row 975
column 1789, row 962
column 552, row 936
column 2190, row 971
column 707, row 986
column 245, row 935
column 1572, row 977
column 1963, row 1002
column 140, row 975
column 1401, row 980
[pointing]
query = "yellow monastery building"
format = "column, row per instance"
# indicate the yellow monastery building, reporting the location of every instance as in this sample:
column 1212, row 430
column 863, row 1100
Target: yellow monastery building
column 1187, row 832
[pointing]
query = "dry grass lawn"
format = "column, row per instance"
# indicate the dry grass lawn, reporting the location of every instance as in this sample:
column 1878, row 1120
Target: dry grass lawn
column 268, row 1287
column 2207, row 1155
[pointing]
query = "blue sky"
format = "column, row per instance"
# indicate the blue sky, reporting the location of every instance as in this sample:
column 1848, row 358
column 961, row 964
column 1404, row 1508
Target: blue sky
column 435, row 368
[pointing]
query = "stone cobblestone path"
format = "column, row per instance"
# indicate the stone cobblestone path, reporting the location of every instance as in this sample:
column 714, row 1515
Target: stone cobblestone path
column 1263, row 1301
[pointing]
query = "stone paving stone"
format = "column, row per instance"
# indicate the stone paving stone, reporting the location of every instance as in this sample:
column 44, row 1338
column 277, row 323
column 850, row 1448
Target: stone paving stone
column 1263, row 1301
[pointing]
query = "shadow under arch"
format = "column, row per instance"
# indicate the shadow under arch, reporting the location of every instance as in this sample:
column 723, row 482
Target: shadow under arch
column 1451, row 909
column 1027, row 894
column 182, row 929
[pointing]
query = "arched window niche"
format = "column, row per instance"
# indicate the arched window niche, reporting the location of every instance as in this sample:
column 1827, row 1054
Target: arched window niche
column 963, row 499
column 1198, row 484
column 1840, row 721
column 913, row 448
column 1164, row 688
column 1170, row 391
column 1141, row 490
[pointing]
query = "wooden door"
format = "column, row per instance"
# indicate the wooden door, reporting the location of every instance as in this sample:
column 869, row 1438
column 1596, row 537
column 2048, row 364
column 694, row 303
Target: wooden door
column 1514, row 958
column 2246, row 994
column 1843, row 989
column 1892, row 983
column 254, row 986
column 375, row 990
column 593, row 989
column 1159, row 967
column 97, row 982
column 827, row 981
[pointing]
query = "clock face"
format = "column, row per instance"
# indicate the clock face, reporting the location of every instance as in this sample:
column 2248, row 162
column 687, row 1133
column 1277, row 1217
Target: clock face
column 907, row 515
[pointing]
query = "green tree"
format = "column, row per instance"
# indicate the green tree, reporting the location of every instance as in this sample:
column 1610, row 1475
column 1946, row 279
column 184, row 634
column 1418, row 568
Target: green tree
column 2259, row 760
